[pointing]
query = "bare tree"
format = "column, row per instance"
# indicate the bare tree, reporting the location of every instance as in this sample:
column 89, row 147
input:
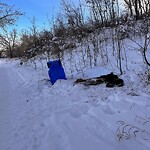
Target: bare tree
column 34, row 32
column 103, row 11
column 8, row 41
column 138, row 8
column 73, row 14
column 8, row 14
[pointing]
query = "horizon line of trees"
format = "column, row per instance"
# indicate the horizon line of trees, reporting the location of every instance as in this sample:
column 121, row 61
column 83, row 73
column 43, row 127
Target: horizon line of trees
column 73, row 22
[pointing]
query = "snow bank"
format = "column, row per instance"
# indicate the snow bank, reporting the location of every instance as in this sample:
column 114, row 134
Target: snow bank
column 74, row 117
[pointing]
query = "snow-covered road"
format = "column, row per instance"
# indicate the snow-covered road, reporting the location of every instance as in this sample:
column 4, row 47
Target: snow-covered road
column 12, row 101
column 37, row 116
column 5, row 114
column 15, row 109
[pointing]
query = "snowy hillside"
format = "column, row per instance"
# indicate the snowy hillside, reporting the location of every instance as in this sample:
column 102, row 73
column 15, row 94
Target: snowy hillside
column 38, row 116
column 92, row 39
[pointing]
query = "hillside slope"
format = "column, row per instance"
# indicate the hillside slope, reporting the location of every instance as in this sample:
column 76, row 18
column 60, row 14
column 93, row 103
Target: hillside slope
column 36, row 115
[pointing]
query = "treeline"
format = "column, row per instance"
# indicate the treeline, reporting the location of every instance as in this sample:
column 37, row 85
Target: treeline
column 72, row 25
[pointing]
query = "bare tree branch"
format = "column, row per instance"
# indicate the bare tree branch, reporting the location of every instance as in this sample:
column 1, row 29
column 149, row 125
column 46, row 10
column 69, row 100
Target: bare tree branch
column 8, row 14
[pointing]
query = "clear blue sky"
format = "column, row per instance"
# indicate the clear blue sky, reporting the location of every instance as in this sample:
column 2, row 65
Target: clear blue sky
column 39, row 9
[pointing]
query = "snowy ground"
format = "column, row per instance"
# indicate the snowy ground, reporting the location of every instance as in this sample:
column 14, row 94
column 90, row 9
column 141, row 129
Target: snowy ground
column 37, row 116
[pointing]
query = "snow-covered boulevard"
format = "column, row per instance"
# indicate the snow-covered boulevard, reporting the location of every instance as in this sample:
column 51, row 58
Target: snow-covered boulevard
column 13, row 108
column 37, row 116
column 5, row 106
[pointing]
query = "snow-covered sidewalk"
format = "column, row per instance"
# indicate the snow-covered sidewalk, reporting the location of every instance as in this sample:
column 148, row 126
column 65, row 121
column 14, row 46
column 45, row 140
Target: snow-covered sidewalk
column 37, row 116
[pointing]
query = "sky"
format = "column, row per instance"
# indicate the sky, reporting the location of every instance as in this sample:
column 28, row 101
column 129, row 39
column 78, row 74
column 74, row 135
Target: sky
column 40, row 9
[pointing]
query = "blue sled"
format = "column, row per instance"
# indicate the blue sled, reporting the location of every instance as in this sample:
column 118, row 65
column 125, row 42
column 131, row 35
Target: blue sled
column 56, row 71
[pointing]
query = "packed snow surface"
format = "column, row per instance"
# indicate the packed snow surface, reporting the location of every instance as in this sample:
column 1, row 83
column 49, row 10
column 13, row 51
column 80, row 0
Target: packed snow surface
column 34, row 115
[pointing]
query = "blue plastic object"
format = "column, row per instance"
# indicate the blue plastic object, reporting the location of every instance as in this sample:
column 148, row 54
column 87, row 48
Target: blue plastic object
column 56, row 71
